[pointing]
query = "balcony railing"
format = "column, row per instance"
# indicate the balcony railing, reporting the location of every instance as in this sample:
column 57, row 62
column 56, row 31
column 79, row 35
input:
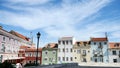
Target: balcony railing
column 84, row 54
column 95, row 55
column 100, row 46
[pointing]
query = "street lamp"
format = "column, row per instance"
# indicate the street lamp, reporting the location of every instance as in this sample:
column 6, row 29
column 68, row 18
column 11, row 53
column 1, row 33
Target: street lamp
column 38, row 36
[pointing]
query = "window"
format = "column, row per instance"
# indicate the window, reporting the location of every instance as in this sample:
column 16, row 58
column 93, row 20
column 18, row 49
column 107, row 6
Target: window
column 67, row 42
column 70, row 41
column 71, row 49
column 100, row 43
column 114, row 52
column 94, row 43
column 53, row 52
column 101, row 59
column 63, row 50
column 63, row 42
column 74, row 50
column 95, row 60
column 85, row 43
column 59, row 42
column 78, row 43
column 71, row 58
column 30, row 62
column 46, row 52
column 75, row 57
column 3, row 38
column 66, row 58
column 45, row 59
column 84, row 60
column 63, row 58
column 78, row 51
column 105, row 43
column 84, row 51
column 115, row 60
column 88, row 51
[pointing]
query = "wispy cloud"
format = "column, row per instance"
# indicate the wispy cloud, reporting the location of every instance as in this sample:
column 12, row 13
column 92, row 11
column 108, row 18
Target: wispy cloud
column 63, row 18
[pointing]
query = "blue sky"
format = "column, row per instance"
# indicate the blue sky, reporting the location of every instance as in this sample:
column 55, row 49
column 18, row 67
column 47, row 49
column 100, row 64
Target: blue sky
column 56, row 18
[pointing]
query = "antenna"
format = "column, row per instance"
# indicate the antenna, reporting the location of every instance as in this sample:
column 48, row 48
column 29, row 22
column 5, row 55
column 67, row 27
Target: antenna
column 106, row 35
column 31, row 37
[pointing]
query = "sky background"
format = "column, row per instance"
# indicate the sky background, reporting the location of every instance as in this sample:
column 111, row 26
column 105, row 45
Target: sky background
column 81, row 19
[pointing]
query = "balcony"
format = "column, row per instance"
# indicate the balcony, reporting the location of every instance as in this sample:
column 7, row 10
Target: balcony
column 83, row 54
column 100, row 46
column 95, row 55
column 100, row 55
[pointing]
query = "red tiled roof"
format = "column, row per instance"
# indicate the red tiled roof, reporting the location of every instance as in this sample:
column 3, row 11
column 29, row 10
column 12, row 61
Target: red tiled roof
column 19, row 35
column 99, row 39
column 113, row 45
column 51, row 45
column 33, row 49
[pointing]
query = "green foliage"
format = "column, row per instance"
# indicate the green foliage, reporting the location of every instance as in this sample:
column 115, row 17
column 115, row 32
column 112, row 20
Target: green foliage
column 6, row 65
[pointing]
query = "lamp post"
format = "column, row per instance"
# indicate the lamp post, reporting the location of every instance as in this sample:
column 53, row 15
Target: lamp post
column 38, row 36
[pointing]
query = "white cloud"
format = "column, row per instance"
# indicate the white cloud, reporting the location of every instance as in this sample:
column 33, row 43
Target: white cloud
column 28, row 2
column 44, row 17
column 57, row 19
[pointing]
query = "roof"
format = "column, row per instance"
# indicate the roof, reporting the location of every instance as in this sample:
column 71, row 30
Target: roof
column 19, row 35
column 82, row 42
column 24, row 47
column 99, row 39
column 33, row 49
column 66, row 38
column 114, row 45
column 51, row 45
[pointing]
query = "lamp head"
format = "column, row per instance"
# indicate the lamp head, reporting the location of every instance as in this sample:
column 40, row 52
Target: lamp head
column 38, row 34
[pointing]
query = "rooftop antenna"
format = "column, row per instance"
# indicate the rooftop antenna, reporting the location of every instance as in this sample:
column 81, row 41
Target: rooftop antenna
column 106, row 35
column 31, row 38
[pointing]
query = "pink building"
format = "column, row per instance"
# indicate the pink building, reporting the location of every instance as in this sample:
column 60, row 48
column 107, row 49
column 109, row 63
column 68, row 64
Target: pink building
column 10, row 43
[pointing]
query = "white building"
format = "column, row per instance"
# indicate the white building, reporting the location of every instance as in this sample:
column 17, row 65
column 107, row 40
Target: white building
column 65, row 45
column 114, row 52
column 99, row 50
column 10, row 44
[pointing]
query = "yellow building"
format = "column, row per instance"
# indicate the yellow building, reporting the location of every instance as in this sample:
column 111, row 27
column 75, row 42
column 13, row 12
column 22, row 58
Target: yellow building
column 81, row 51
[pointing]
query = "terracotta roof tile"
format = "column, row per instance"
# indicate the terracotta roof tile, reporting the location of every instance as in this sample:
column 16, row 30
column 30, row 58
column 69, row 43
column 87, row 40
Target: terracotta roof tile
column 113, row 45
column 99, row 39
column 33, row 49
column 51, row 45
column 82, row 42
column 19, row 35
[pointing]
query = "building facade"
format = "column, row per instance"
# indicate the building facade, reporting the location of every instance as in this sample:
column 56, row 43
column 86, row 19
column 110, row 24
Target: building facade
column 10, row 44
column 81, row 52
column 30, row 55
column 99, row 50
column 114, row 52
column 49, row 54
column 65, row 52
